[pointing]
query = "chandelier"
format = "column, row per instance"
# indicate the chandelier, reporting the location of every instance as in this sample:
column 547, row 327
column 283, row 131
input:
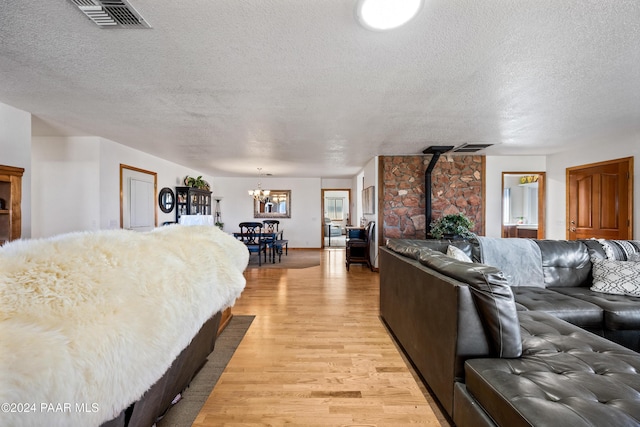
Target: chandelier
column 259, row 194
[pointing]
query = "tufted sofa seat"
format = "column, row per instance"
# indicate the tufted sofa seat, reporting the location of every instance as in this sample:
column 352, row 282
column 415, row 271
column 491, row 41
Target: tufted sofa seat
column 573, row 310
column 565, row 376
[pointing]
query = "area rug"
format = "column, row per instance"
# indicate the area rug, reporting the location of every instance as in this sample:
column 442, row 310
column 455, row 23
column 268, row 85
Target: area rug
column 186, row 410
column 335, row 242
column 297, row 258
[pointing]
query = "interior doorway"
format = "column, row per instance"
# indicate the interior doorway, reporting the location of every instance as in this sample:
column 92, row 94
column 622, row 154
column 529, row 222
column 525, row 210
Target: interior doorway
column 137, row 199
column 600, row 200
column 336, row 216
column 523, row 204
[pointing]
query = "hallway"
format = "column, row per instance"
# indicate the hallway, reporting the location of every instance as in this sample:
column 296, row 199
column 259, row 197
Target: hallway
column 317, row 354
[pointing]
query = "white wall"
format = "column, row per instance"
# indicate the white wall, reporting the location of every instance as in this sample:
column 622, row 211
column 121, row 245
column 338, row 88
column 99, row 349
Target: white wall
column 15, row 150
column 77, row 182
column 66, row 176
column 303, row 229
column 556, row 179
column 370, row 171
column 343, row 184
column 496, row 165
column 337, row 183
column 370, row 177
column 169, row 174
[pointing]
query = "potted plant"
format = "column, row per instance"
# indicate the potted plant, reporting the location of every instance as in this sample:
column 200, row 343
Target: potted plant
column 456, row 225
column 198, row 182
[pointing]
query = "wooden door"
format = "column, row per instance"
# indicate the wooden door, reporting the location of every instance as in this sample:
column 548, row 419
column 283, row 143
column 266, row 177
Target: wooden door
column 600, row 200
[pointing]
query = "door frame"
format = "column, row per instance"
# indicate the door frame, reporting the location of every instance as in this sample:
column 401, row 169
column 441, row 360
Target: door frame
column 323, row 190
column 124, row 167
column 542, row 205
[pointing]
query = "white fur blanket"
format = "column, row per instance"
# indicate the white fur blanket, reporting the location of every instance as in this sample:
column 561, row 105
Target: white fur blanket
column 89, row 321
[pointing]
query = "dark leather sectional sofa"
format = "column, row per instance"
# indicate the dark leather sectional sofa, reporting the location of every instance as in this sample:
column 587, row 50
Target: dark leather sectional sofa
column 553, row 353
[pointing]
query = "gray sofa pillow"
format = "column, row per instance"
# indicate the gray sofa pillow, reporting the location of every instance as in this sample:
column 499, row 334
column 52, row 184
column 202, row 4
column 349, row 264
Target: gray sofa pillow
column 492, row 295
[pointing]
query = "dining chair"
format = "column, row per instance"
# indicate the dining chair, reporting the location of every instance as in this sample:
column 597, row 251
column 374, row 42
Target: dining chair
column 251, row 236
column 274, row 244
column 357, row 246
column 271, row 225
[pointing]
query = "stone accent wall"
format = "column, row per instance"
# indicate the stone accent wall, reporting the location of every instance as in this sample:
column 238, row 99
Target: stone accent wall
column 457, row 186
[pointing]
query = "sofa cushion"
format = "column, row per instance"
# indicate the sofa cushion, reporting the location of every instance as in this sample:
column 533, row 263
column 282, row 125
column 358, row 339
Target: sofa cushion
column 616, row 277
column 566, row 376
column 573, row 310
column 491, row 294
column 405, row 247
column 411, row 247
column 564, row 262
column 519, row 259
column 620, row 312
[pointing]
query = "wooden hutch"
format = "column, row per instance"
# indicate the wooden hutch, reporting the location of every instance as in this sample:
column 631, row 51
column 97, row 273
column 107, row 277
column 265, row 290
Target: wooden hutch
column 10, row 202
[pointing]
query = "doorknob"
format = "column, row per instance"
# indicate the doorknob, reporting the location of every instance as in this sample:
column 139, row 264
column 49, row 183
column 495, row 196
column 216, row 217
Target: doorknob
column 572, row 229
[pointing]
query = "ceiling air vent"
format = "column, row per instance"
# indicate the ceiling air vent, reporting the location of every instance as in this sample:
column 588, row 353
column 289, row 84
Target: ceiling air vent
column 471, row 148
column 111, row 13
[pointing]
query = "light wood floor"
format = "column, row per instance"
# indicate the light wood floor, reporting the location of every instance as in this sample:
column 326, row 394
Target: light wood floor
column 317, row 354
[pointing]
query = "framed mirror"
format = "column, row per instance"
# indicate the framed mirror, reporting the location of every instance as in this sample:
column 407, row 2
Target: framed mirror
column 277, row 205
column 523, row 204
column 166, row 200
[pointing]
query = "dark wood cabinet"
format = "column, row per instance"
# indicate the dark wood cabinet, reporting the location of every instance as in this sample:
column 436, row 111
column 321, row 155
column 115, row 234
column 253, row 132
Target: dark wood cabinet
column 527, row 233
column 509, row 231
column 10, row 203
column 192, row 201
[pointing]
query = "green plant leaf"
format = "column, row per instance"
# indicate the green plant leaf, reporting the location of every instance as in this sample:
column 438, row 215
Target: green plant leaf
column 456, row 224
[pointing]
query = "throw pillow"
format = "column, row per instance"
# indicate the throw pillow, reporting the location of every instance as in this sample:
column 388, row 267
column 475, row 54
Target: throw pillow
column 616, row 277
column 458, row 254
column 620, row 250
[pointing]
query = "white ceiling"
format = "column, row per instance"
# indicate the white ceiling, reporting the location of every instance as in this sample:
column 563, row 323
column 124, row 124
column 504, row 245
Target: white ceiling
column 298, row 88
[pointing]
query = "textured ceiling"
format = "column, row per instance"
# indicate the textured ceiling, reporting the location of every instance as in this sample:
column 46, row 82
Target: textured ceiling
column 298, row 88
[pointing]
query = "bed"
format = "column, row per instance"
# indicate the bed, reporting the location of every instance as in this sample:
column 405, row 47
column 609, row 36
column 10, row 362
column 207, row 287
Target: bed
column 106, row 327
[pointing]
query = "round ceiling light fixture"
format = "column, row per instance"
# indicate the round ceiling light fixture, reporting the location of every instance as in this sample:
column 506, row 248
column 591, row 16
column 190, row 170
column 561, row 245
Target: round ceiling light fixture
column 381, row 15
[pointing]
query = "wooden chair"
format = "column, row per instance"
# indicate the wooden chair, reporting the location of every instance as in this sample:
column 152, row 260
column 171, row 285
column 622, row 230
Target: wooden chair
column 251, row 236
column 358, row 243
column 271, row 226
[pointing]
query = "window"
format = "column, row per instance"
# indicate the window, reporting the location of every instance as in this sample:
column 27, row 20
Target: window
column 334, row 208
